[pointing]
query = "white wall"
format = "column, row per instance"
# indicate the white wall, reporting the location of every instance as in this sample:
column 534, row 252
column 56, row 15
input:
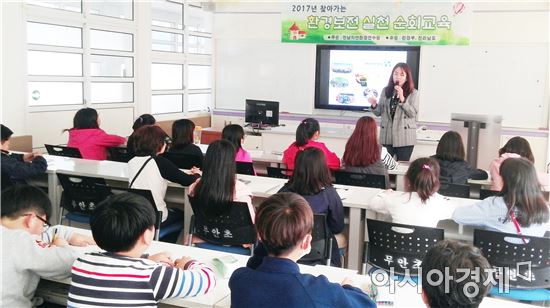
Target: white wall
column 244, row 29
column 505, row 65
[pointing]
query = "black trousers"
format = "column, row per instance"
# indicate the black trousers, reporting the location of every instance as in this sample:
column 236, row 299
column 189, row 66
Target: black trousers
column 401, row 153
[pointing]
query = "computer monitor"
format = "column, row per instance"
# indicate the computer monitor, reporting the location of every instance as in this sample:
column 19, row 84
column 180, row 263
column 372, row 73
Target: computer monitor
column 262, row 113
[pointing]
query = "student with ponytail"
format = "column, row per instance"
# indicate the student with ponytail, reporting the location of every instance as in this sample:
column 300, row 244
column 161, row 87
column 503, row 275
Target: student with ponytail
column 420, row 204
column 306, row 135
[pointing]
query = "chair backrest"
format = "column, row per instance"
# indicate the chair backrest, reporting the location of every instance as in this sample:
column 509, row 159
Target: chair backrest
column 455, row 190
column 486, row 193
column 183, row 161
column 59, row 150
column 528, row 263
column 119, row 154
column 360, row 179
column 245, row 168
column 321, row 242
column 233, row 228
column 81, row 194
column 146, row 193
column 280, row 173
column 399, row 246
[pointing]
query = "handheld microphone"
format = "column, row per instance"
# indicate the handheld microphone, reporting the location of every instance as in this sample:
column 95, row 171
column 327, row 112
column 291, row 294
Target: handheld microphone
column 395, row 93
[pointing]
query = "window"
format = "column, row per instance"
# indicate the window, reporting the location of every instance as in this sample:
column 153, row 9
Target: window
column 122, row 9
column 166, row 76
column 111, row 66
column 166, row 103
column 112, row 92
column 200, row 45
column 199, row 101
column 167, row 41
column 167, row 14
column 55, row 93
column 54, row 63
column 54, row 35
column 86, row 61
column 67, row 5
column 109, row 40
column 199, row 77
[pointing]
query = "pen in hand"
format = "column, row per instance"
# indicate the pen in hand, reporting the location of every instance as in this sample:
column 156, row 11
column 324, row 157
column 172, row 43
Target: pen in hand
column 54, row 237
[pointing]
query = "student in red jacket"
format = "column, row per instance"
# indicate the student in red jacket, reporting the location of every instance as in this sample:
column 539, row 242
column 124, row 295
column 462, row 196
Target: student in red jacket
column 89, row 138
column 307, row 132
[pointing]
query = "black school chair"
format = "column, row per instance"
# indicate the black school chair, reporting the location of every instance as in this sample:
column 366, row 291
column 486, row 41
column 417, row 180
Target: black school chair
column 527, row 282
column 81, row 195
column 226, row 232
column 59, row 150
column 398, row 246
column 321, row 243
column 183, row 161
column 119, row 154
column 280, row 173
column 360, row 179
column 454, row 190
column 245, row 168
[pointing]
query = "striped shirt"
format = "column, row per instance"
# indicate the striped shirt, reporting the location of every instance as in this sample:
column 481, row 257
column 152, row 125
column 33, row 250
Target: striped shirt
column 108, row 279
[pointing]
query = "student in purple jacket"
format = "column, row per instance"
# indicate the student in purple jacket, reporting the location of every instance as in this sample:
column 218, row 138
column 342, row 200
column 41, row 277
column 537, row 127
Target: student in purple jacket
column 284, row 223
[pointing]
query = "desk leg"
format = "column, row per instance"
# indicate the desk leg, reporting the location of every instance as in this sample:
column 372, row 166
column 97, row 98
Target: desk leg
column 356, row 237
column 187, row 213
column 400, row 182
column 53, row 184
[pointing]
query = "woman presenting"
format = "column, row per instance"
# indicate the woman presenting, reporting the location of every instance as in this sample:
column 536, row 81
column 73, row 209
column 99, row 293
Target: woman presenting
column 398, row 106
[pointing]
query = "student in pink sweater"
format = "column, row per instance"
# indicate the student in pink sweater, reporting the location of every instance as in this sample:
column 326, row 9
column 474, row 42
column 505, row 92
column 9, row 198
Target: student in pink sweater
column 307, row 132
column 89, row 138
column 234, row 133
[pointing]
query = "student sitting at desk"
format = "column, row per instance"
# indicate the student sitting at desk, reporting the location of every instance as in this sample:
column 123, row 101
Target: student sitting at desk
column 284, row 222
column 182, row 138
column 420, row 204
column 124, row 226
column 218, row 186
column 142, row 120
column 312, row 180
column 17, row 168
column 148, row 170
column 234, row 133
column 89, row 138
column 514, row 148
column 450, row 156
column 454, row 259
column 306, row 135
column 363, row 153
column 519, row 207
column 30, row 247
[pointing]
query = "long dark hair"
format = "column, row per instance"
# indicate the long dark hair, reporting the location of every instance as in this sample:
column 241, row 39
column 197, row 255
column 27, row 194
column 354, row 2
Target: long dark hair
column 450, row 147
column 408, row 86
column 521, row 192
column 233, row 133
column 305, row 131
column 520, row 146
column 216, row 187
column 362, row 148
column 142, row 120
column 311, row 173
column 423, row 177
column 85, row 118
column 182, row 133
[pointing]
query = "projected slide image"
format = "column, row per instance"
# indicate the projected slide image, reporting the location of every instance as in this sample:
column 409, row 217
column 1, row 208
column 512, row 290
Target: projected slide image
column 356, row 75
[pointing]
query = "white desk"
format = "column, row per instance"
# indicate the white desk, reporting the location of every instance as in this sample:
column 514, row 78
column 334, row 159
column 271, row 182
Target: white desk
column 354, row 198
column 220, row 296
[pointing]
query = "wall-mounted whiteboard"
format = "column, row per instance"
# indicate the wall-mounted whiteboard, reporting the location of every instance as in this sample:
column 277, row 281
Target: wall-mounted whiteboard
column 496, row 80
column 267, row 70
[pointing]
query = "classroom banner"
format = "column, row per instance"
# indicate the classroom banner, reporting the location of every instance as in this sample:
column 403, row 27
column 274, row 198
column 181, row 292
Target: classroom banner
column 436, row 23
